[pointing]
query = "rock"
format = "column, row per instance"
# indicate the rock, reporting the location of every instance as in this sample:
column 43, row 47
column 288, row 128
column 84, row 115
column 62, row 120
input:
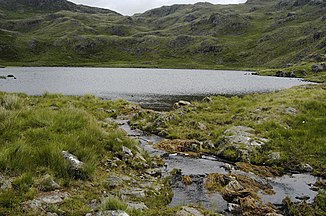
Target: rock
column 290, row 111
column 274, row 156
column 207, row 100
column 285, row 74
column 202, row 126
column 154, row 172
column 137, row 206
column 127, row 151
column 227, row 167
column 138, row 156
column 134, row 192
column 51, row 214
column 234, row 208
column 188, row 211
column 181, row 104
column 94, row 204
column 47, row 199
column 113, row 181
column 244, row 135
column 108, row 213
column 76, row 165
column 10, row 76
column 306, row 168
column 47, row 183
column 317, row 68
column 6, row 184
column 234, row 185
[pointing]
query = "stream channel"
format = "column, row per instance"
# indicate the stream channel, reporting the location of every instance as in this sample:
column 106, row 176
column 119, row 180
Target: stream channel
column 292, row 185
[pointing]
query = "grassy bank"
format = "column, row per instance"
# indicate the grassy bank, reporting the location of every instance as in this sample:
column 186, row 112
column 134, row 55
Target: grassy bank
column 292, row 120
column 33, row 133
column 303, row 70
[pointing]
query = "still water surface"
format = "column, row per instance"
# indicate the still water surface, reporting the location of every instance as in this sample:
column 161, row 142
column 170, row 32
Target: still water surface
column 153, row 88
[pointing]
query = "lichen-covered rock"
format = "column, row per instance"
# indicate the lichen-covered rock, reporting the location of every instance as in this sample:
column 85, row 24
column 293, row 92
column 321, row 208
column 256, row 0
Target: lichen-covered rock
column 76, row 166
column 239, row 142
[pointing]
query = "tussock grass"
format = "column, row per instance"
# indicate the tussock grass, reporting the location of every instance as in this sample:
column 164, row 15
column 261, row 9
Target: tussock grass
column 35, row 130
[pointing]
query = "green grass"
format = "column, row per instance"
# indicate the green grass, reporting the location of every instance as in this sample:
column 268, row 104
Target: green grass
column 299, row 136
column 35, row 130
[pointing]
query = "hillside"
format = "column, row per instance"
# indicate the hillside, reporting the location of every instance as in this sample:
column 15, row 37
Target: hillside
column 257, row 34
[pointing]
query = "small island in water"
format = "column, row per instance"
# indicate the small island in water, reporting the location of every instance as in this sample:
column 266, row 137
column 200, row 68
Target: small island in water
column 231, row 121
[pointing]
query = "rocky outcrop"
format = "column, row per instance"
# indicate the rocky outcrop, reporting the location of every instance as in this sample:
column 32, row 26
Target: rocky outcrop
column 239, row 142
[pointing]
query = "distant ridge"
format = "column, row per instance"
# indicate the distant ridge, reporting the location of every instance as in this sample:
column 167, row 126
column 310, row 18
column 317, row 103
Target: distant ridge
column 51, row 6
column 258, row 33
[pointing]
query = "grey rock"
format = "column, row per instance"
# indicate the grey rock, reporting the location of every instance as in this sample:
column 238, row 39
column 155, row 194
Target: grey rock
column 137, row 206
column 180, row 104
column 207, row 100
column 274, row 156
column 47, row 199
column 73, row 160
column 291, row 111
column 51, row 214
column 307, row 167
column 188, row 211
column 154, row 172
column 75, row 165
column 6, row 184
column 139, row 157
column 227, row 167
column 244, row 135
column 47, row 183
column 202, row 126
column 114, row 181
column 109, row 213
column 127, row 151
column 317, row 68
column 234, row 208
column 134, row 192
column 273, row 214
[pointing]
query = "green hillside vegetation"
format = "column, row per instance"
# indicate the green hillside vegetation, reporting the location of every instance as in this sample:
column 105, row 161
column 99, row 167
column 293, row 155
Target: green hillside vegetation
column 257, row 34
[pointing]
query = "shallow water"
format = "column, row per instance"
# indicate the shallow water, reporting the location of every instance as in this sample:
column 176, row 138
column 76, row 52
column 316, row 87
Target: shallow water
column 152, row 88
column 293, row 186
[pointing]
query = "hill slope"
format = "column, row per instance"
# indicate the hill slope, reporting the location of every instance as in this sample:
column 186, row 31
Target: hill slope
column 258, row 33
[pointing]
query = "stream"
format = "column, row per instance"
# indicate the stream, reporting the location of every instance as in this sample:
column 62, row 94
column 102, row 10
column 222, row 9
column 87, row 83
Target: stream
column 292, row 185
